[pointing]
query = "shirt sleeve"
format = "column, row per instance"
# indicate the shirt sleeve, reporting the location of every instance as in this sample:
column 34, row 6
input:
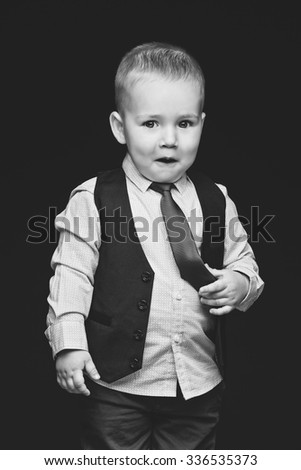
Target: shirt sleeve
column 239, row 255
column 74, row 263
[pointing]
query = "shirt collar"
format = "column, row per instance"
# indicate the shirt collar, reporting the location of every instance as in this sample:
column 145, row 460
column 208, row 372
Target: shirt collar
column 143, row 183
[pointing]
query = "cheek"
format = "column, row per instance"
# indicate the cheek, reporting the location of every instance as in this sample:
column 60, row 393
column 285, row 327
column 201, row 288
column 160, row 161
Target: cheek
column 190, row 145
column 192, row 142
column 144, row 145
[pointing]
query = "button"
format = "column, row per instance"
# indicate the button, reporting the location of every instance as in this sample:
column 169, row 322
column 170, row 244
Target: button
column 135, row 363
column 177, row 338
column 146, row 276
column 138, row 335
column 178, row 296
column 142, row 304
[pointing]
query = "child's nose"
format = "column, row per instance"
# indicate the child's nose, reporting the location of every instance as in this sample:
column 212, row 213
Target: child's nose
column 169, row 137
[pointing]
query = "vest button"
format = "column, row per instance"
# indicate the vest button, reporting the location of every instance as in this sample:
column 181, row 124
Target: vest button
column 138, row 335
column 134, row 363
column 142, row 304
column 146, row 276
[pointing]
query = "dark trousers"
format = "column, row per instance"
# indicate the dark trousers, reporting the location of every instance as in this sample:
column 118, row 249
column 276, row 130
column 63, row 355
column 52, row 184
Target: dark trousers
column 122, row 421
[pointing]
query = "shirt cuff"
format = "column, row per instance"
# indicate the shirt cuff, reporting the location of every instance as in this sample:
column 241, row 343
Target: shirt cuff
column 253, row 292
column 67, row 334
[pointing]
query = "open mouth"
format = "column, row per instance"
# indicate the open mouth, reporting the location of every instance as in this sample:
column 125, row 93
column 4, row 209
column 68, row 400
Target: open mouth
column 166, row 160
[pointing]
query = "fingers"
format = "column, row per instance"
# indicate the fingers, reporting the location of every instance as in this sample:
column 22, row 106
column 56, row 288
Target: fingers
column 216, row 286
column 219, row 302
column 221, row 311
column 79, row 383
column 216, row 294
column 74, row 383
column 91, row 370
column 70, row 367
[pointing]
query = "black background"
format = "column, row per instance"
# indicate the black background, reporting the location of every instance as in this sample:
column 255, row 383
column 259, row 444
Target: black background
column 58, row 64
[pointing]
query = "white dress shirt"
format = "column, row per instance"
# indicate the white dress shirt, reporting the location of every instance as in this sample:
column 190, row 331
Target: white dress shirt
column 176, row 347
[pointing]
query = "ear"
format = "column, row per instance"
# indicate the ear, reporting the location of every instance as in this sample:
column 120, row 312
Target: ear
column 203, row 118
column 116, row 123
column 202, row 121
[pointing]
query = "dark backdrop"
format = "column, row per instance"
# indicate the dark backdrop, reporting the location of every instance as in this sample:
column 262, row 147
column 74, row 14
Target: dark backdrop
column 58, row 64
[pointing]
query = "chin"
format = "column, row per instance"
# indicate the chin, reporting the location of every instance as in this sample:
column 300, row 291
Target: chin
column 165, row 176
column 169, row 178
column 163, row 179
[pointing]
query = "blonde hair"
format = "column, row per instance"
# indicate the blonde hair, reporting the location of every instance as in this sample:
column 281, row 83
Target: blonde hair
column 165, row 59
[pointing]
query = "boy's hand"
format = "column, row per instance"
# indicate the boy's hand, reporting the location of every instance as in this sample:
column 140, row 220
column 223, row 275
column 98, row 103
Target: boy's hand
column 70, row 365
column 226, row 293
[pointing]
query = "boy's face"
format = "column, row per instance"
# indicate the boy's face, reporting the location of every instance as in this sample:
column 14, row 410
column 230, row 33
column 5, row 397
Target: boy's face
column 161, row 125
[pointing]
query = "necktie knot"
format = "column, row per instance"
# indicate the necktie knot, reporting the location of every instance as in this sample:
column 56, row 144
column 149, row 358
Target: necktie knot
column 161, row 187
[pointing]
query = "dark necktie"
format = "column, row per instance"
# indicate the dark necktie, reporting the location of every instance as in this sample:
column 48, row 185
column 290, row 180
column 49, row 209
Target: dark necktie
column 190, row 263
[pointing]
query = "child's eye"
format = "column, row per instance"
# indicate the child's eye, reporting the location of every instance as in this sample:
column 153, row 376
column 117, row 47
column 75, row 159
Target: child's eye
column 149, row 124
column 185, row 124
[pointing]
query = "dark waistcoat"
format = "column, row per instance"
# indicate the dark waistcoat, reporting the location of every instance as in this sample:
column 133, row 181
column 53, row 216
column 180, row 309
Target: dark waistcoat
column 117, row 323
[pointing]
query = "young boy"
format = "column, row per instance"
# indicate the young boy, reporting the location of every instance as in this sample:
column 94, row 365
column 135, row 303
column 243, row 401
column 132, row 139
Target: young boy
column 133, row 325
